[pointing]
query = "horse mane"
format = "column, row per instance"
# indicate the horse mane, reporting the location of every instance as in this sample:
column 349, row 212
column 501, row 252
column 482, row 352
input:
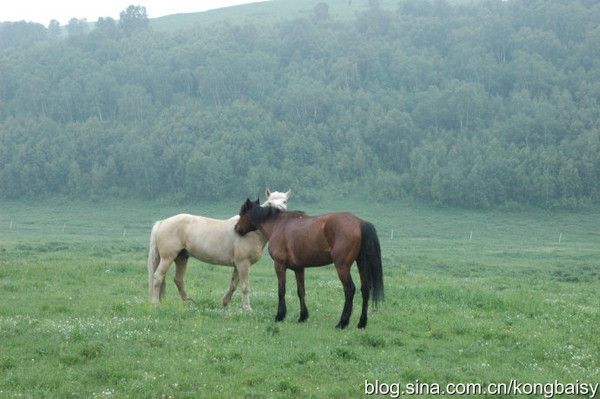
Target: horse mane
column 259, row 214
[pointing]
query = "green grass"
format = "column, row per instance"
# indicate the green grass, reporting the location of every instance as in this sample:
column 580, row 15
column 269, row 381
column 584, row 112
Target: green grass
column 507, row 302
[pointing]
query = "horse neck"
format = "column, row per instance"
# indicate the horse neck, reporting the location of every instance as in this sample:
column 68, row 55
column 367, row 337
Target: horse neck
column 267, row 227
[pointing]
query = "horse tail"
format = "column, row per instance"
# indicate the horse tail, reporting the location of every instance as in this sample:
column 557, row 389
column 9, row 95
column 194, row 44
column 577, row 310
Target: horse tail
column 369, row 261
column 153, row 257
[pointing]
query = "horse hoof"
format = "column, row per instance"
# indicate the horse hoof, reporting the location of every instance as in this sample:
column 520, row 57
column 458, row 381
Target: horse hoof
column 279, row 318
column 362, row 325
column 303, row 318
column 341, row 325
column 247, row 308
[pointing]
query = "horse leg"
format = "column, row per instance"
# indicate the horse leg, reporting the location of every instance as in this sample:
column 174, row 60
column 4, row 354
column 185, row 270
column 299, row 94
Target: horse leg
column 364, row 289
column 281, row 308
column 300, row 287
column 158, row 285
column 343, row 271
column 180, row 268
column 243, row 271
column 232, row 286
column 163, row 290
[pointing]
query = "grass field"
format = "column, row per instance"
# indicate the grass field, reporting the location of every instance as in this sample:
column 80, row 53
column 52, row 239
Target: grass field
column 471, row 296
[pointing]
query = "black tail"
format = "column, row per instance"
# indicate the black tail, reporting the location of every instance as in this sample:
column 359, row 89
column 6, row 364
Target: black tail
column 369, row 261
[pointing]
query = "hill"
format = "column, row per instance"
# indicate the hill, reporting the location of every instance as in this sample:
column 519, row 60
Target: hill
column 471, row 104
column 270, row 11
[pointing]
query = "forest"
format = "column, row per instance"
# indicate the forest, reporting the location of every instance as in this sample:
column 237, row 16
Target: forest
column 483, row 104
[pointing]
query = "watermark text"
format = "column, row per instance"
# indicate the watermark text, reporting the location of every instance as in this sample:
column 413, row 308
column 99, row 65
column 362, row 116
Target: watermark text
column 513, row 387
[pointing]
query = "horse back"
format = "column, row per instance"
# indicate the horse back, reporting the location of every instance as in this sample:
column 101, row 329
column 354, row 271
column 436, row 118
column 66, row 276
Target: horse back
column 341, row 225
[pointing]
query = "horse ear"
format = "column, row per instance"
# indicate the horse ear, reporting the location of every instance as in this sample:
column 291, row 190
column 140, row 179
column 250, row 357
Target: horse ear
column 288, row 193
column 247, row 205
column 257, row 202
column 268, row 193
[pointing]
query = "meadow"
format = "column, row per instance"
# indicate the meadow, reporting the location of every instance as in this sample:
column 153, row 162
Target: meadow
column 471, row 296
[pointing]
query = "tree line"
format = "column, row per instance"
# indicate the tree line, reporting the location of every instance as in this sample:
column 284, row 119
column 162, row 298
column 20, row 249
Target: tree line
column 491, row 103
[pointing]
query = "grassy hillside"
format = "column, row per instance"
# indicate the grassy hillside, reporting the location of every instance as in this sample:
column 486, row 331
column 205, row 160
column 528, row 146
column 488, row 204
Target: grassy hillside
column 267, row 11
column 471, row 296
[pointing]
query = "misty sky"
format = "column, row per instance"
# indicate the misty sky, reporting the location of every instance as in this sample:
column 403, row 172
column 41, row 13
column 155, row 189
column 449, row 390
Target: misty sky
column 43, row 11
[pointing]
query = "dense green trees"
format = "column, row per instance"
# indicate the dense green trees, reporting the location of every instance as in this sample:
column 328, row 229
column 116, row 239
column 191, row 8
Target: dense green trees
column 493, row 103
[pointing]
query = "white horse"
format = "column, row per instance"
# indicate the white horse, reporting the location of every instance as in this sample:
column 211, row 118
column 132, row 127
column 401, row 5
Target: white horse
column 277, row 199
column 208, row 240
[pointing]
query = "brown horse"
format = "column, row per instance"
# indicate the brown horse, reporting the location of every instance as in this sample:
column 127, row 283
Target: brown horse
column 297, row 241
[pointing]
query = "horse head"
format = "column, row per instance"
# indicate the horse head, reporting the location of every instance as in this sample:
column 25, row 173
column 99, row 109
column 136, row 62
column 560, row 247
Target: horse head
column 277, row 199
column 245, row 224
